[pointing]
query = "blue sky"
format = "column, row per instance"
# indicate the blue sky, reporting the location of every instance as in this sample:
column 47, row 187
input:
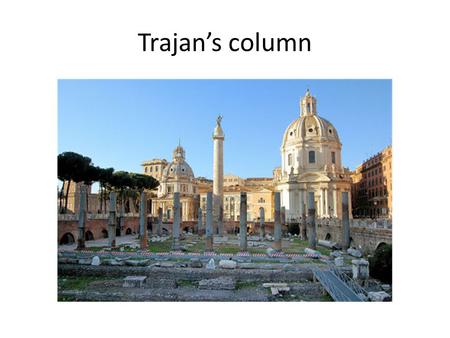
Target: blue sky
column 121, row 123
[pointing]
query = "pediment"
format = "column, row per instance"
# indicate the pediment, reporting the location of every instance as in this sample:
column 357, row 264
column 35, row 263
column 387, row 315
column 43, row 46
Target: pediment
column 313, row 177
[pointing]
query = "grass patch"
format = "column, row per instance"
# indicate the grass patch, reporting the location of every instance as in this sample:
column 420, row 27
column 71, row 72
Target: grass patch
column 227, row 249
column 257, row 250
column 197, row 247
column 67, row 298
column 326, row 298
column 185, row 283
column 165, row 246
column 76, row 282
column 246, row 285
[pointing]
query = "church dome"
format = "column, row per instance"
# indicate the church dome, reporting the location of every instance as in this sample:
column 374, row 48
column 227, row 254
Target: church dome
column 178, row 167
column 309, row 126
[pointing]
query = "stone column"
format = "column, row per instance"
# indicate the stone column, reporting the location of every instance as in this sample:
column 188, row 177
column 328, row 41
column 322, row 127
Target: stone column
column 335, row 205
column 159, row 226
column 302, row 222
column 218, row 138
column 209, row 229
column 321, row 199
column 350, row 213
column 243, row 223
column 311, row 222
column 345, row 221
column 81, row 218
column 112, row 220
column 277, row 225
column 143, row 221
column 176, row 222
column 261, row 223
column 199, row 220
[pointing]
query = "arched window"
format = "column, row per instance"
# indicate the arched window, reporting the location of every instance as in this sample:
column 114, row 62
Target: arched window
column 312, row 156
column 333, row 157
column 290, row 159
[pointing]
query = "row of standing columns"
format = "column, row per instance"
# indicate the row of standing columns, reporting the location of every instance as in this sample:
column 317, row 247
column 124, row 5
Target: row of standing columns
column 310, row 222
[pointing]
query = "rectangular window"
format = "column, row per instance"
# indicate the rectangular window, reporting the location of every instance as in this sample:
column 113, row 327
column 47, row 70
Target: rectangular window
column 156, row 169
column 333, row 157
column 312, row 156
column 290, row 159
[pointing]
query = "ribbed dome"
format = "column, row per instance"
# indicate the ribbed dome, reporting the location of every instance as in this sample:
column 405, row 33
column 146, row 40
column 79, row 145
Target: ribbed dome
column 178, row 167
column 309, row 126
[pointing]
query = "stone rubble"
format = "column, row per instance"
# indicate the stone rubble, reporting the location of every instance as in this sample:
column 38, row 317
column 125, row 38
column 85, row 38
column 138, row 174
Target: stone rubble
column 211, row 264
column 379, row 296
column 314, row 253
column 336, row 254
column 339, row 261
column 84, row 261
column 227, row 264
column 354, row 252
column 141, row 262
column 221, row 283
column 134, row 281
column 96, row 261
column 196, row 263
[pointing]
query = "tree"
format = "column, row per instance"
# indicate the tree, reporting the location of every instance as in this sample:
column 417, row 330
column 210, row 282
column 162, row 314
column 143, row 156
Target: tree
column 90, row 175
column 72, row 167
column 104, row 179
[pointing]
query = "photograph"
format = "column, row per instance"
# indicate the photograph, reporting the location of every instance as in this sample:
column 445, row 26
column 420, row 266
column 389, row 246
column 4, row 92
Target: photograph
column 224, row 190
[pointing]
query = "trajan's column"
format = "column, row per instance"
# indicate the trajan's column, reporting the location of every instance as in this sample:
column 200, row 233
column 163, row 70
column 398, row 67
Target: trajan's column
column 218, row 138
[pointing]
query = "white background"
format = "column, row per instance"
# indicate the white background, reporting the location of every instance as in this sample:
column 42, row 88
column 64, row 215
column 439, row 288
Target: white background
column 42, row 41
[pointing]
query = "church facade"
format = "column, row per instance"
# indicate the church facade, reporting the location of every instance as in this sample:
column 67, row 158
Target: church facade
column 311, row 162
column 174, row 176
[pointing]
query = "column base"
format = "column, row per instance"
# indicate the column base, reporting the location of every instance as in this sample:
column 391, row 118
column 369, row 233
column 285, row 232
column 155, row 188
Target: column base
column 80, row 244
column 276, row 245
column 144, row 242
column 209, row 244
column 176, row 244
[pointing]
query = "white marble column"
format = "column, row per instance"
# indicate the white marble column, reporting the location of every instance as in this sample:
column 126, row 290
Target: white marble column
column 218, row 138
column 321, row 203
column 335, row 205
column 302, row 202
column 327, row 214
